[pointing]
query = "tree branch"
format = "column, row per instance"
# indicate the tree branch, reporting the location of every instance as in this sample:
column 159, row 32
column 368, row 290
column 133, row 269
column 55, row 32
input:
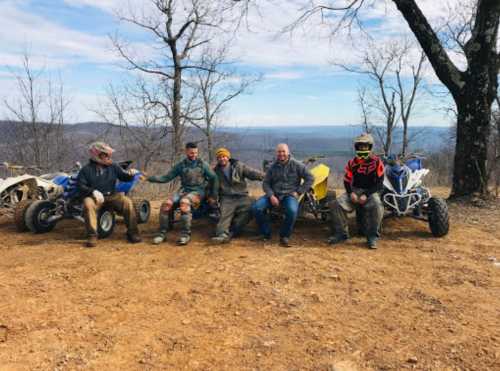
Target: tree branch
column 446, row 71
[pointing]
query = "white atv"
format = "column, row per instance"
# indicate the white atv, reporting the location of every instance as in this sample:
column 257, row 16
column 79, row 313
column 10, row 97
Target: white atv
column 17, row 191
column 405, row 195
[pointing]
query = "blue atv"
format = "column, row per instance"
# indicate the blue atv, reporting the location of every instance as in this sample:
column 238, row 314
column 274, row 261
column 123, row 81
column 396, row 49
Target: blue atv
column 405, row 194
column 42, row 216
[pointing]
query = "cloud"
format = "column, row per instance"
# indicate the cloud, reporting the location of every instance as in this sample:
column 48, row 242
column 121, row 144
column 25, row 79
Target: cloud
column 312, row 97
column 104, row 5
column 57, row 44
column 284, row 75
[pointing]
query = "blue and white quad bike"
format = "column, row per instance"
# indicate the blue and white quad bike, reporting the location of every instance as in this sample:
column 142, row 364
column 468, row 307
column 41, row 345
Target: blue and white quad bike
column 42, row 216
column 404, row 194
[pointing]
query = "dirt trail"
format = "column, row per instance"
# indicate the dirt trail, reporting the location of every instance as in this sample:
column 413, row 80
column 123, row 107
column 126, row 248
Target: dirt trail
column 418, row 302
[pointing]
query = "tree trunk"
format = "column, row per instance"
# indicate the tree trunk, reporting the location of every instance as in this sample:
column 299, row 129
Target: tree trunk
column 472, row 90
column 470, row 173
column 176, row 115
column 388, row 140
column 474, row 105
column 210, row 146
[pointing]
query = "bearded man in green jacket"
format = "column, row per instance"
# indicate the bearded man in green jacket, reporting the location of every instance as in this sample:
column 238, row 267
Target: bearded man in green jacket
column 195, row 176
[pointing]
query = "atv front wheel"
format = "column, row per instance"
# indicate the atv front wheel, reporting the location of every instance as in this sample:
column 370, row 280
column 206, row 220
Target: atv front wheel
column 439, row 221
column 142, row 210
column 37, row 214
column 105, row 222
column 20, row 215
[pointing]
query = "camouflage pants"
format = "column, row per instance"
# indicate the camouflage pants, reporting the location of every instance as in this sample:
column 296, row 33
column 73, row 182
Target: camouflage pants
column 119, row 202
column 373, row 213
column 236, row 213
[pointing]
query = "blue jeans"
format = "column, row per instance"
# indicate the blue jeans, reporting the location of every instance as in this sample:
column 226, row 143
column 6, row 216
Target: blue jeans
column 290, row 206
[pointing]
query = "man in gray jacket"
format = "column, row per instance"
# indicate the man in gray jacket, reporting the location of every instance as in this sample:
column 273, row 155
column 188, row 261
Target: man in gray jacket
column 235, row 203
column 285, row 181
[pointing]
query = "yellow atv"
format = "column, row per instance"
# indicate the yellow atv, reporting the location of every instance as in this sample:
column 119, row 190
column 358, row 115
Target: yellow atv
column 317, row 199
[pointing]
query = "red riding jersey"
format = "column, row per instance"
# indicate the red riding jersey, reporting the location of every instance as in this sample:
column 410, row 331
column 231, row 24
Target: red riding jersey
column 366, row 174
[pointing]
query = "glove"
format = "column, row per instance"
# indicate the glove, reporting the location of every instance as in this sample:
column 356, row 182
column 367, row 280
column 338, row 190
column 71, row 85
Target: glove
column 98, row 197
column 133, row 172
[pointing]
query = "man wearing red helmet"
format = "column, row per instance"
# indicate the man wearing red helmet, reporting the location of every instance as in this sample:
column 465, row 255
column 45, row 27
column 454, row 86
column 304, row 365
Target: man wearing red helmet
column 363, row 180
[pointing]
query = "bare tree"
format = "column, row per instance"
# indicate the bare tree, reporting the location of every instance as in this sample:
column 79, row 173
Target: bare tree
column 180, row 31
column 217, row 83
column 140, row 122
column 37, row 112
column 391, row 97
column 408, row 92
column 473, row 89
column 366, row 112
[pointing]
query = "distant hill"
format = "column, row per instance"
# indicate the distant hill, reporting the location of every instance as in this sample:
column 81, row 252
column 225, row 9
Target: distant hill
column 254, row 144
column 427, row 138
column 323, row 138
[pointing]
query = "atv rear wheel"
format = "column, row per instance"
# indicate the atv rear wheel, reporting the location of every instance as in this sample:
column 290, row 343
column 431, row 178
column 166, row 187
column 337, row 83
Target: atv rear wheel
column 439, row 221
column 106, row 221
column 36, row 216
column 142, row 210
column 325, row 204
column 20, row 215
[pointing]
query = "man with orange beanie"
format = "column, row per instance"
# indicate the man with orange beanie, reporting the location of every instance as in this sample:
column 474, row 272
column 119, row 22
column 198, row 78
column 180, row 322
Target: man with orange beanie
column 235, row 203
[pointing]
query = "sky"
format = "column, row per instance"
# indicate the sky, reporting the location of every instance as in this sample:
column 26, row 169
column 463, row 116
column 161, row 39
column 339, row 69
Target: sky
column 71, row 40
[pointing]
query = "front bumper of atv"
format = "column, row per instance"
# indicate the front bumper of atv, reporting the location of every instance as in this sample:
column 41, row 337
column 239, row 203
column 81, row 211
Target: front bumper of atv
column 402, row 204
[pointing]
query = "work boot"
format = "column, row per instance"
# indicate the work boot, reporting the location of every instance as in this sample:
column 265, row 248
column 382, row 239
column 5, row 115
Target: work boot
column 336, row 239
column 91, row 241
column 184, row 240
column 372, row 242
column 133, row 237
column 285, row 242
column 221, row 239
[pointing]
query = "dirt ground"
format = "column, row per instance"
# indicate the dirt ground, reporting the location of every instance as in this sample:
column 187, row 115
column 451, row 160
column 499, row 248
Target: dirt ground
column 415, row 303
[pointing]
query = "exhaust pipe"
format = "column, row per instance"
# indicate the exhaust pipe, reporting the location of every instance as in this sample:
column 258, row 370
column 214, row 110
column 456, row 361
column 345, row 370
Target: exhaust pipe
column 79, row 218
column 54, row 218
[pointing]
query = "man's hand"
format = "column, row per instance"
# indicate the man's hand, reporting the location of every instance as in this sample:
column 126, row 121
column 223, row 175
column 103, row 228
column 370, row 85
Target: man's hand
column 354, row 198
column 295, row 194
column 212, row 201
column 98, row 197
column 363, row 199
column 274, row 201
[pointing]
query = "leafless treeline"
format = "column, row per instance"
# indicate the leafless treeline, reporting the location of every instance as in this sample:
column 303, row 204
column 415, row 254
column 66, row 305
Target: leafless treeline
column 188, row 78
